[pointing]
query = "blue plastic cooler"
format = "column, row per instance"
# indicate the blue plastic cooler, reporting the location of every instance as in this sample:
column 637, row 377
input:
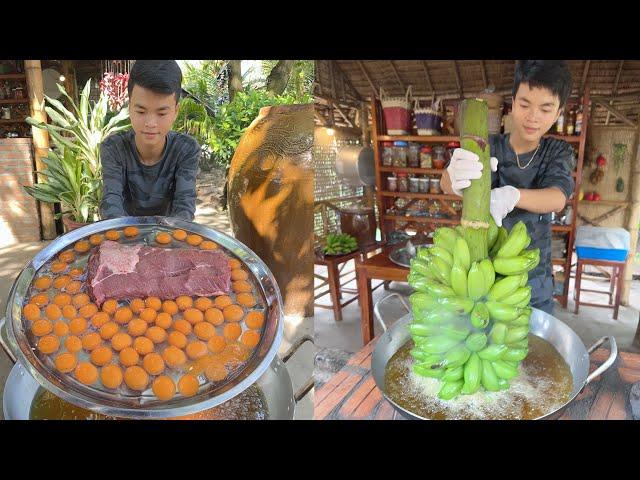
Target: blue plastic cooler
column 603, row 243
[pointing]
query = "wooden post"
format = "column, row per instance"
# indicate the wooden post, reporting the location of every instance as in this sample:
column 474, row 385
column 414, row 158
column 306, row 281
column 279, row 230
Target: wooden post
column 364, row 123
column 633, row 219
column 69, row 73
column 33, row 71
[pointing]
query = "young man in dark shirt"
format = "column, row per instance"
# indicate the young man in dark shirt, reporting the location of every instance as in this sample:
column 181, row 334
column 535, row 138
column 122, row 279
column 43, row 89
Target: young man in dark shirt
column 531, row 175
column 150, row 170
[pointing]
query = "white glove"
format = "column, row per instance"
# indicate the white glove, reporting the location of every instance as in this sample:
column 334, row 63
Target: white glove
column 503, row 200
column 464, row 167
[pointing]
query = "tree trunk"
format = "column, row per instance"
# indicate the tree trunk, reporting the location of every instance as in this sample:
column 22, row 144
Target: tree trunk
column 474, row 136
column 279, row 77
column 235, row 78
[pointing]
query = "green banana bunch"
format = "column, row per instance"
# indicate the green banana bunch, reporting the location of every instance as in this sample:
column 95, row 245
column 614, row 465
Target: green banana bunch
column 461, row 254
column 459, row 279
column 340, row 243
column 445, row 237
column 500, row 239
column 515, row 242
column 476, row 283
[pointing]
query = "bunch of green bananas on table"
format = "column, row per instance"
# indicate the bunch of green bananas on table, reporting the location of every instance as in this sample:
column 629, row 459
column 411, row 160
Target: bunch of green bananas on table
column 340, row 243
column 471, row 320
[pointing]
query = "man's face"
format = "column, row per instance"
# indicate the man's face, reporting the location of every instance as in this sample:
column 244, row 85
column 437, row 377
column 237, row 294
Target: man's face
column 535, row 110
column 152, row 115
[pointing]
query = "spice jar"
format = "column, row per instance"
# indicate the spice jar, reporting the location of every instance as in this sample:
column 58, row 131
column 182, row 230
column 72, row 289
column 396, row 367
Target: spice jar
column 414, row 185
column 400, row 154
column 426, row 155
column 414, row 155
column 423, row 186
column 434, row 185
column 18, row 93
column 6, row 113
column 387, row 154
column 403, row 182
column 392, row 184
column 439, row 160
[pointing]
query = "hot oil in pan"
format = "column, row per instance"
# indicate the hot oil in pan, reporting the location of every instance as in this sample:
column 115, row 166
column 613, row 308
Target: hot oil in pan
column 248, row 405
column 544, row 384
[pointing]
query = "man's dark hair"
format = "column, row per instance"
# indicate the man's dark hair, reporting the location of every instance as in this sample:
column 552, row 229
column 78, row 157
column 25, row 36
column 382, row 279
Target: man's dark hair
column 159, row 76
column 551, row 74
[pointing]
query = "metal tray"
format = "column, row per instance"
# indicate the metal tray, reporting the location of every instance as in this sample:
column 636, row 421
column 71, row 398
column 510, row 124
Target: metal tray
column 403, row 257
column 146, row 405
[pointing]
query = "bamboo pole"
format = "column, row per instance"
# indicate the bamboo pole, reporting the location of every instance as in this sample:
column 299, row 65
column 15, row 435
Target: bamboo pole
column 633, row 221
column 474, row 136
column 33, row 71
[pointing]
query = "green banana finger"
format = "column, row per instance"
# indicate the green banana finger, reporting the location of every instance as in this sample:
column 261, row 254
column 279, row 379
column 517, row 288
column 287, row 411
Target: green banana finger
column 476, row 341
column 476, row 283
column 459, row 279
column 489, row 377
column 493, row 352
column 503, row 313
column 439, row 290
column 441, row 269
column 456, row 357
column 453, row 374
column 438, row 344
column 442, row 254
column 492, row 233
column 498, row 333
column 516, row 334
column 472, row 374
column 521, row 321
column 458, row 333
column 515, row 354
column 504, row 370
column 438, row 316
column 427, row 371
column 524, row 343
column 504, row 287
column 503, row 384
column 513, row 265
column 423, row 301
column 422, row 253
column 515, row 242
column 450, row 390
column 445, row 237
column 461, row 254
column 519, row 296
column 502, row 237
column 422, row 330
column 421, row 267
column 489, row 274
column 424, row 357
column 418, row 282
column 524, row 279
column 457, row 305
column 480, row 315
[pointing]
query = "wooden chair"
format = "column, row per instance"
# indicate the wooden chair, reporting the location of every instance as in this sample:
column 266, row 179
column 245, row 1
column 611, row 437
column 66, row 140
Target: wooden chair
column 615, row 280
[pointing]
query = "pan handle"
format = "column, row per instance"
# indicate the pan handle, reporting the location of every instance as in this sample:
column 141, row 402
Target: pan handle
column 608, row 362
column 3, row 344
column 376, row 308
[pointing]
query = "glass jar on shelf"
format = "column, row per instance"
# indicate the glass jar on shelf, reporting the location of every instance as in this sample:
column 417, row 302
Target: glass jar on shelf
column 414, row 155
column 439, row 159
column 414, row 184
column 426, row 156
column 423, row 186
column 400, row 154
column 392, row 184
column 387, row 154
column 434, row 185
column 403, row 182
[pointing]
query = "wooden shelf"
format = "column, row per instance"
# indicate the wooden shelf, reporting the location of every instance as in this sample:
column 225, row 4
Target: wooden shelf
column 14, row 100
column 561, row 228
column 609, row 203
column 400, row 218
column 4, row 121
column 13, row 76
column 558, row 261
column 426, row 171
column 419, row 138
column 425, row 196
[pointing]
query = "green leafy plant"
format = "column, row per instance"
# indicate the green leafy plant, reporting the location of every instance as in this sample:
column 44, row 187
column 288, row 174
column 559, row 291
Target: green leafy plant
column 76, row 135
column 340, row 243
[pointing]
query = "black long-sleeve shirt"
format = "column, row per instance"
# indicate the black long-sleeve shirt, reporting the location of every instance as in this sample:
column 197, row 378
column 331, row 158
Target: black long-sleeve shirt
column 131, row 188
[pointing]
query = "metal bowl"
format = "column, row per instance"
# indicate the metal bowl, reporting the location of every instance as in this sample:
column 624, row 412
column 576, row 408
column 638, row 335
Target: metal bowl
column 146, row 405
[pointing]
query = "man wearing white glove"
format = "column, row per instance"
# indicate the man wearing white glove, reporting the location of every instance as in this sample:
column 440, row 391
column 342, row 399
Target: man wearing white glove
column 531, row 175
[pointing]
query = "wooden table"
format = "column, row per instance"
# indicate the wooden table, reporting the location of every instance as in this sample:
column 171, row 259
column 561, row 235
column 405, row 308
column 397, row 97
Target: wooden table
column 379, row 267
column 352, row 394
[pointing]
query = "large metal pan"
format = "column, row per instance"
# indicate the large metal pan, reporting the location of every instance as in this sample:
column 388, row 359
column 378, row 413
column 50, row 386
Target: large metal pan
column 545, row 326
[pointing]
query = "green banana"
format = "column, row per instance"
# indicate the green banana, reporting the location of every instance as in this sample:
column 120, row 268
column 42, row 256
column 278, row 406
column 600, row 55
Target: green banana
column 456, row 357
column 438, row 316
column 513, row 265
column 418, row 282
column 461, row 254
column 421, row 267
column 427, row 371
column 425, row 358
column 498, row 333
column 503, row 313
column 422, row 330
column 450, row 390
column 459, row 229
column 454, row 332
column 472, row 374
column 441, row 269
column 459, row 279
column 489, row 377
column 503, row 288
column 524, row 302
column 458, row 305
column 515, row 354
column 423, row 301
column 520, row 295
column 476, row 283
column 439, row 290
column 503, row 384
column 524, row 343
column 516, row 334
column 521, row 321
column 476, row 341
column 479, row 315
column 501, row 238
column 438, row 344
column 515, row 242
column 492, row 233
column 442, row 254
column 504, row 370
column 445, row 237
column 525, row 279
column 492, row 352
column 422, row 253
column 489, row 273
column 511, row 364
column 453, row 374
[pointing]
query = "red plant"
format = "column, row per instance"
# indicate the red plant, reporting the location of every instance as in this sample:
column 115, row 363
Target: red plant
column 114, row 85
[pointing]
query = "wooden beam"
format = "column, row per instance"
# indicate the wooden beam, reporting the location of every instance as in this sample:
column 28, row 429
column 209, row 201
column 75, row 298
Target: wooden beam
column 342, row 114
column 332, row 80
column 615, row 89
column 615, row 112
column 585, row 74
column 320, row 117
column 341, row 102
column 484, row 74
column 35, row 88
column 425, row 67
column 395, row 72
column 364, row 124
column 458, row 82
column 633, row 219
column 355, row 92
column 366, row 75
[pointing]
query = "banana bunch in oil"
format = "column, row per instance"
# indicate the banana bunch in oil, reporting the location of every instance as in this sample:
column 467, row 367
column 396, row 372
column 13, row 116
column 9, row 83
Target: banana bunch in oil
column 338, row 243
column 471, row 320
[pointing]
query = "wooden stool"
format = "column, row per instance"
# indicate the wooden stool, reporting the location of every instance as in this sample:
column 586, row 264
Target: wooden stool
column 616, row 280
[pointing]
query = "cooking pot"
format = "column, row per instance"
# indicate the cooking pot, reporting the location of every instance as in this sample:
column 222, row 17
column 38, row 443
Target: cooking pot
column 542, row 324
column 355, row 166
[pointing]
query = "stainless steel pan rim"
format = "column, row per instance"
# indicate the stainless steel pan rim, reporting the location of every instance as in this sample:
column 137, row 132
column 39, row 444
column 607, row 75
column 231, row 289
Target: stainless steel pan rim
column 546, row 326
column 101, row 403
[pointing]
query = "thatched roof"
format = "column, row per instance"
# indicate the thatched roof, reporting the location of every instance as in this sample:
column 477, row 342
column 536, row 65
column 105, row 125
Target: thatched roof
column 355, row 80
